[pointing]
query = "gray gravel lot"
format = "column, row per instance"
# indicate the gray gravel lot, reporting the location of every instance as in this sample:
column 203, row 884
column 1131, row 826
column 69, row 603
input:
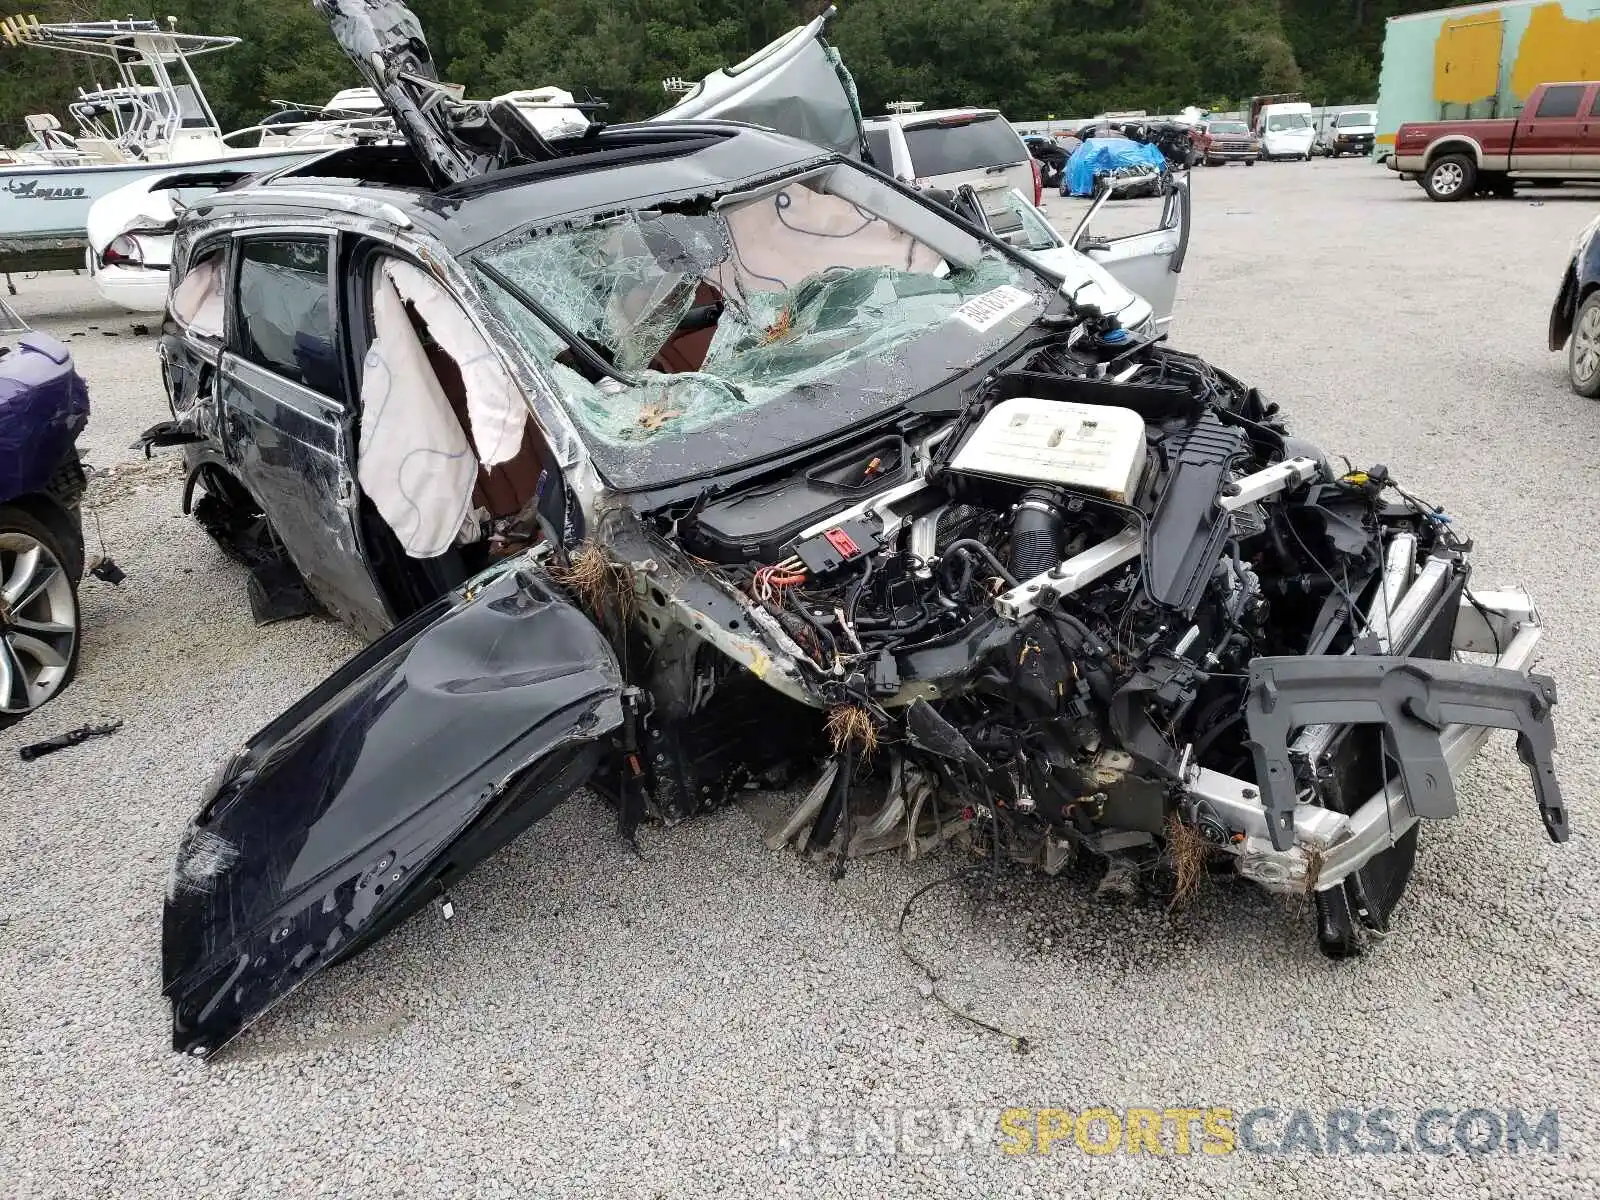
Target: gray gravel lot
column 597, row 1024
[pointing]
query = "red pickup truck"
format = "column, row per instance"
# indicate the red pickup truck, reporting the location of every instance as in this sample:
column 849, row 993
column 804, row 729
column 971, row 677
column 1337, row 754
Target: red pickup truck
column 1556, row 137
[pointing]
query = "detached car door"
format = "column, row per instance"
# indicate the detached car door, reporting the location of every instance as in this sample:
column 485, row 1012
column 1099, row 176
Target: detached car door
column 288, row 428
column 1147, row 263
column 416, row 760
column 797, row 85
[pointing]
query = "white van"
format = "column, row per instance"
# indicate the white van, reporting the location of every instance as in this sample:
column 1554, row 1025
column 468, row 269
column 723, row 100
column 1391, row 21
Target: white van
column 1286, row 130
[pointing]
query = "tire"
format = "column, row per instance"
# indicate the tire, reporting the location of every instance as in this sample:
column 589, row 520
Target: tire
column 1583, row 349
column 1213, row 162
column 40, row 627
column 1450, row 177
column 1249, row 162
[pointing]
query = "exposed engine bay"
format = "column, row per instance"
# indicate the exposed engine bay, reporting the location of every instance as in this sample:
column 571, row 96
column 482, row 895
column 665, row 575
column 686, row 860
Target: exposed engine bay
column 1058, row 622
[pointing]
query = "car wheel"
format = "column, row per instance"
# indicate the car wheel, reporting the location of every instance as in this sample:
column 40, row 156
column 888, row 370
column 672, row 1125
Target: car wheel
column 1249, row 162
column 38, row 612
column 1450, row 177
column 1583, row 349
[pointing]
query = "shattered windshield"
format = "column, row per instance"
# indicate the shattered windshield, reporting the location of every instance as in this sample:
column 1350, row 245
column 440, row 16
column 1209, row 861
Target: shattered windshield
column 750, row 326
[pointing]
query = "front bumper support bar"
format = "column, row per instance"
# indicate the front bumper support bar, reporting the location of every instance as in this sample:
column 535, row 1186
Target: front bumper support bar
column 1415, row 700
column 1329, row 846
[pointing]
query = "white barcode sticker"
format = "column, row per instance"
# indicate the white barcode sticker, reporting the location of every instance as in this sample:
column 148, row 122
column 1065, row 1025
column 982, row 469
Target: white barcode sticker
column 988, row 310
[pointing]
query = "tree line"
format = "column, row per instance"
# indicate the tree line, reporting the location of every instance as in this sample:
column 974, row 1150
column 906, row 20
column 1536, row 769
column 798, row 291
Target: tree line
column 1030, row 58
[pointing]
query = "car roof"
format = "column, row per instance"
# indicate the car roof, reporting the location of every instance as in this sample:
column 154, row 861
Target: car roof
column 620, row 167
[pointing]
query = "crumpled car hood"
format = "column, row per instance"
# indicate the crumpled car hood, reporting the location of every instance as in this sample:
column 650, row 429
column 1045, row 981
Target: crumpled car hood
column 419, row 758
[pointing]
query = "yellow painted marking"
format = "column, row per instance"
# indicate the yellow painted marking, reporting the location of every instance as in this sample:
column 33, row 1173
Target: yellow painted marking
column 1466, row 58
column 1555, row 48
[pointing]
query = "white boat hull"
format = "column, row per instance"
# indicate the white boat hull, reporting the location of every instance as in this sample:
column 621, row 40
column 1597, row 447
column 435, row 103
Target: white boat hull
column 47, row 208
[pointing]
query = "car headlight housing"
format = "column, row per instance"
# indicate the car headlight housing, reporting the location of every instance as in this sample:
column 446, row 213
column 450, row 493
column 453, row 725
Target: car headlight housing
column 124, row 251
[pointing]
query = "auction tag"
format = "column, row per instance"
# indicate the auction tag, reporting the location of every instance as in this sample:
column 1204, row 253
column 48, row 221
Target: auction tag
column 988, row 310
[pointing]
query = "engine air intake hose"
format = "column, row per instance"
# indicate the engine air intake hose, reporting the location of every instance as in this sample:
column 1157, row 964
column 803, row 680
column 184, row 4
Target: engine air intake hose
column 1037, row 533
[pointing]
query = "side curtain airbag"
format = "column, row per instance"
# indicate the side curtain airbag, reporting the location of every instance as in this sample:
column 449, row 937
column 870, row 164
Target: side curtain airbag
column 413, row 461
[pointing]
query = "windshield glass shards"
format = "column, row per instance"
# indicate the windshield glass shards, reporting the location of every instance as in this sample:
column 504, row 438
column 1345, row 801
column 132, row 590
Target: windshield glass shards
column 833, row 291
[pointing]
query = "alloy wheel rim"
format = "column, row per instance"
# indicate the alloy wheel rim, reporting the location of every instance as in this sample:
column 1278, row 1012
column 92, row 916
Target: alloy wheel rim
column 1446, row 178
column 1586, row 346
column 38, row 623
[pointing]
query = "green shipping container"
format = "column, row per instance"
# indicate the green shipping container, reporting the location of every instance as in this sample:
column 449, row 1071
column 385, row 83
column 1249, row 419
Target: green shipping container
column 1481, row 60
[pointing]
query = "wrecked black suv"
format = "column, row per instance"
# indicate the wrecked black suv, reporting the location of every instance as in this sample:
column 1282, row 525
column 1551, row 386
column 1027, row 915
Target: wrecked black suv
column 681, row 459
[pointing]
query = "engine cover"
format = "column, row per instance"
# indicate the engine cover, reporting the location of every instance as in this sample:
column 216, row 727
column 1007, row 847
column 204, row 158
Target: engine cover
column 1094, row 447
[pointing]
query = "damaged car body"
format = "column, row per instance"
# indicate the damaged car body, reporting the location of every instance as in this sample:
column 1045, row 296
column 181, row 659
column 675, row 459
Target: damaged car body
column 686, row 458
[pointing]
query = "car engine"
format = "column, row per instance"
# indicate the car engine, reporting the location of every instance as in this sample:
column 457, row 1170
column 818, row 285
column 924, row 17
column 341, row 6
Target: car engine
column 1032, row 624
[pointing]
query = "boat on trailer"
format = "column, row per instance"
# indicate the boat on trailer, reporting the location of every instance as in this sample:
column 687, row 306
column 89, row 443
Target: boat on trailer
column 151, row 116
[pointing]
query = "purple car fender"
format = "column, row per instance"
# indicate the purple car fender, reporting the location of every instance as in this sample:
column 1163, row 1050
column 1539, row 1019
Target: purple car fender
column 44, row 405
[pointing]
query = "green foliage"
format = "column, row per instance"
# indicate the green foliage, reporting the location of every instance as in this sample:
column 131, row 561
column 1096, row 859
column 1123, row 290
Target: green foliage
column 1027, row 57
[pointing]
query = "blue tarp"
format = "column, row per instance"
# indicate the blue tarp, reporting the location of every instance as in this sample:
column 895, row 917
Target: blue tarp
column 1098, row 155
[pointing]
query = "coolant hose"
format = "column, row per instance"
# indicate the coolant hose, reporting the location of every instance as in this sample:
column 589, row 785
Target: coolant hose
column 1037, row 533
column 973, row 547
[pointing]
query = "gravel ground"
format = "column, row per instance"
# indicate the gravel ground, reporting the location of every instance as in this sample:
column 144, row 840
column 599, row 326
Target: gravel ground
column 599, row 1024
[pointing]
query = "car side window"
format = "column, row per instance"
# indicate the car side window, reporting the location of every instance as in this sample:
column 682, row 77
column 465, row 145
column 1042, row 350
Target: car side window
column 1594, row 105
column 1561, row 101
column 284, row 317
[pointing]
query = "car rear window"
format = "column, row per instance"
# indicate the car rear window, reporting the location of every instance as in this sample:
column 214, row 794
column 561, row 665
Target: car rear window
column 944, row 149
column 878, row 147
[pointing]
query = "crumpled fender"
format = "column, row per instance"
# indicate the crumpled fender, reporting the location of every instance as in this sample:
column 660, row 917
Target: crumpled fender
column 419, row 758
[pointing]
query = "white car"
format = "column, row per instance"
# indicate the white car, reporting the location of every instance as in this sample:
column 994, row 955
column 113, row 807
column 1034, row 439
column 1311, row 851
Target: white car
column 1286, row 130
column 130, row 235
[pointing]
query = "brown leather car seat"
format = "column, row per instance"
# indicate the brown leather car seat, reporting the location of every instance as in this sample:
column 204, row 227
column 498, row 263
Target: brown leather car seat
column 505, row 489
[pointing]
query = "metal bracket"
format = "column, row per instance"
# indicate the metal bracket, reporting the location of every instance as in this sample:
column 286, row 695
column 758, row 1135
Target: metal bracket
column 1269, row 481
column 1415, row 700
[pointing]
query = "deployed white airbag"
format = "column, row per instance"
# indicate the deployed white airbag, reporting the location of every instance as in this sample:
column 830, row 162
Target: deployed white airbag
column 797, row 231
column 414, row 460
column 197, row 300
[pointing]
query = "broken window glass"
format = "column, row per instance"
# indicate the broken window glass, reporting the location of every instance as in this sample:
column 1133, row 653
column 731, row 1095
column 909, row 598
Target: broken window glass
column 712, row 315
column 197, row 298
